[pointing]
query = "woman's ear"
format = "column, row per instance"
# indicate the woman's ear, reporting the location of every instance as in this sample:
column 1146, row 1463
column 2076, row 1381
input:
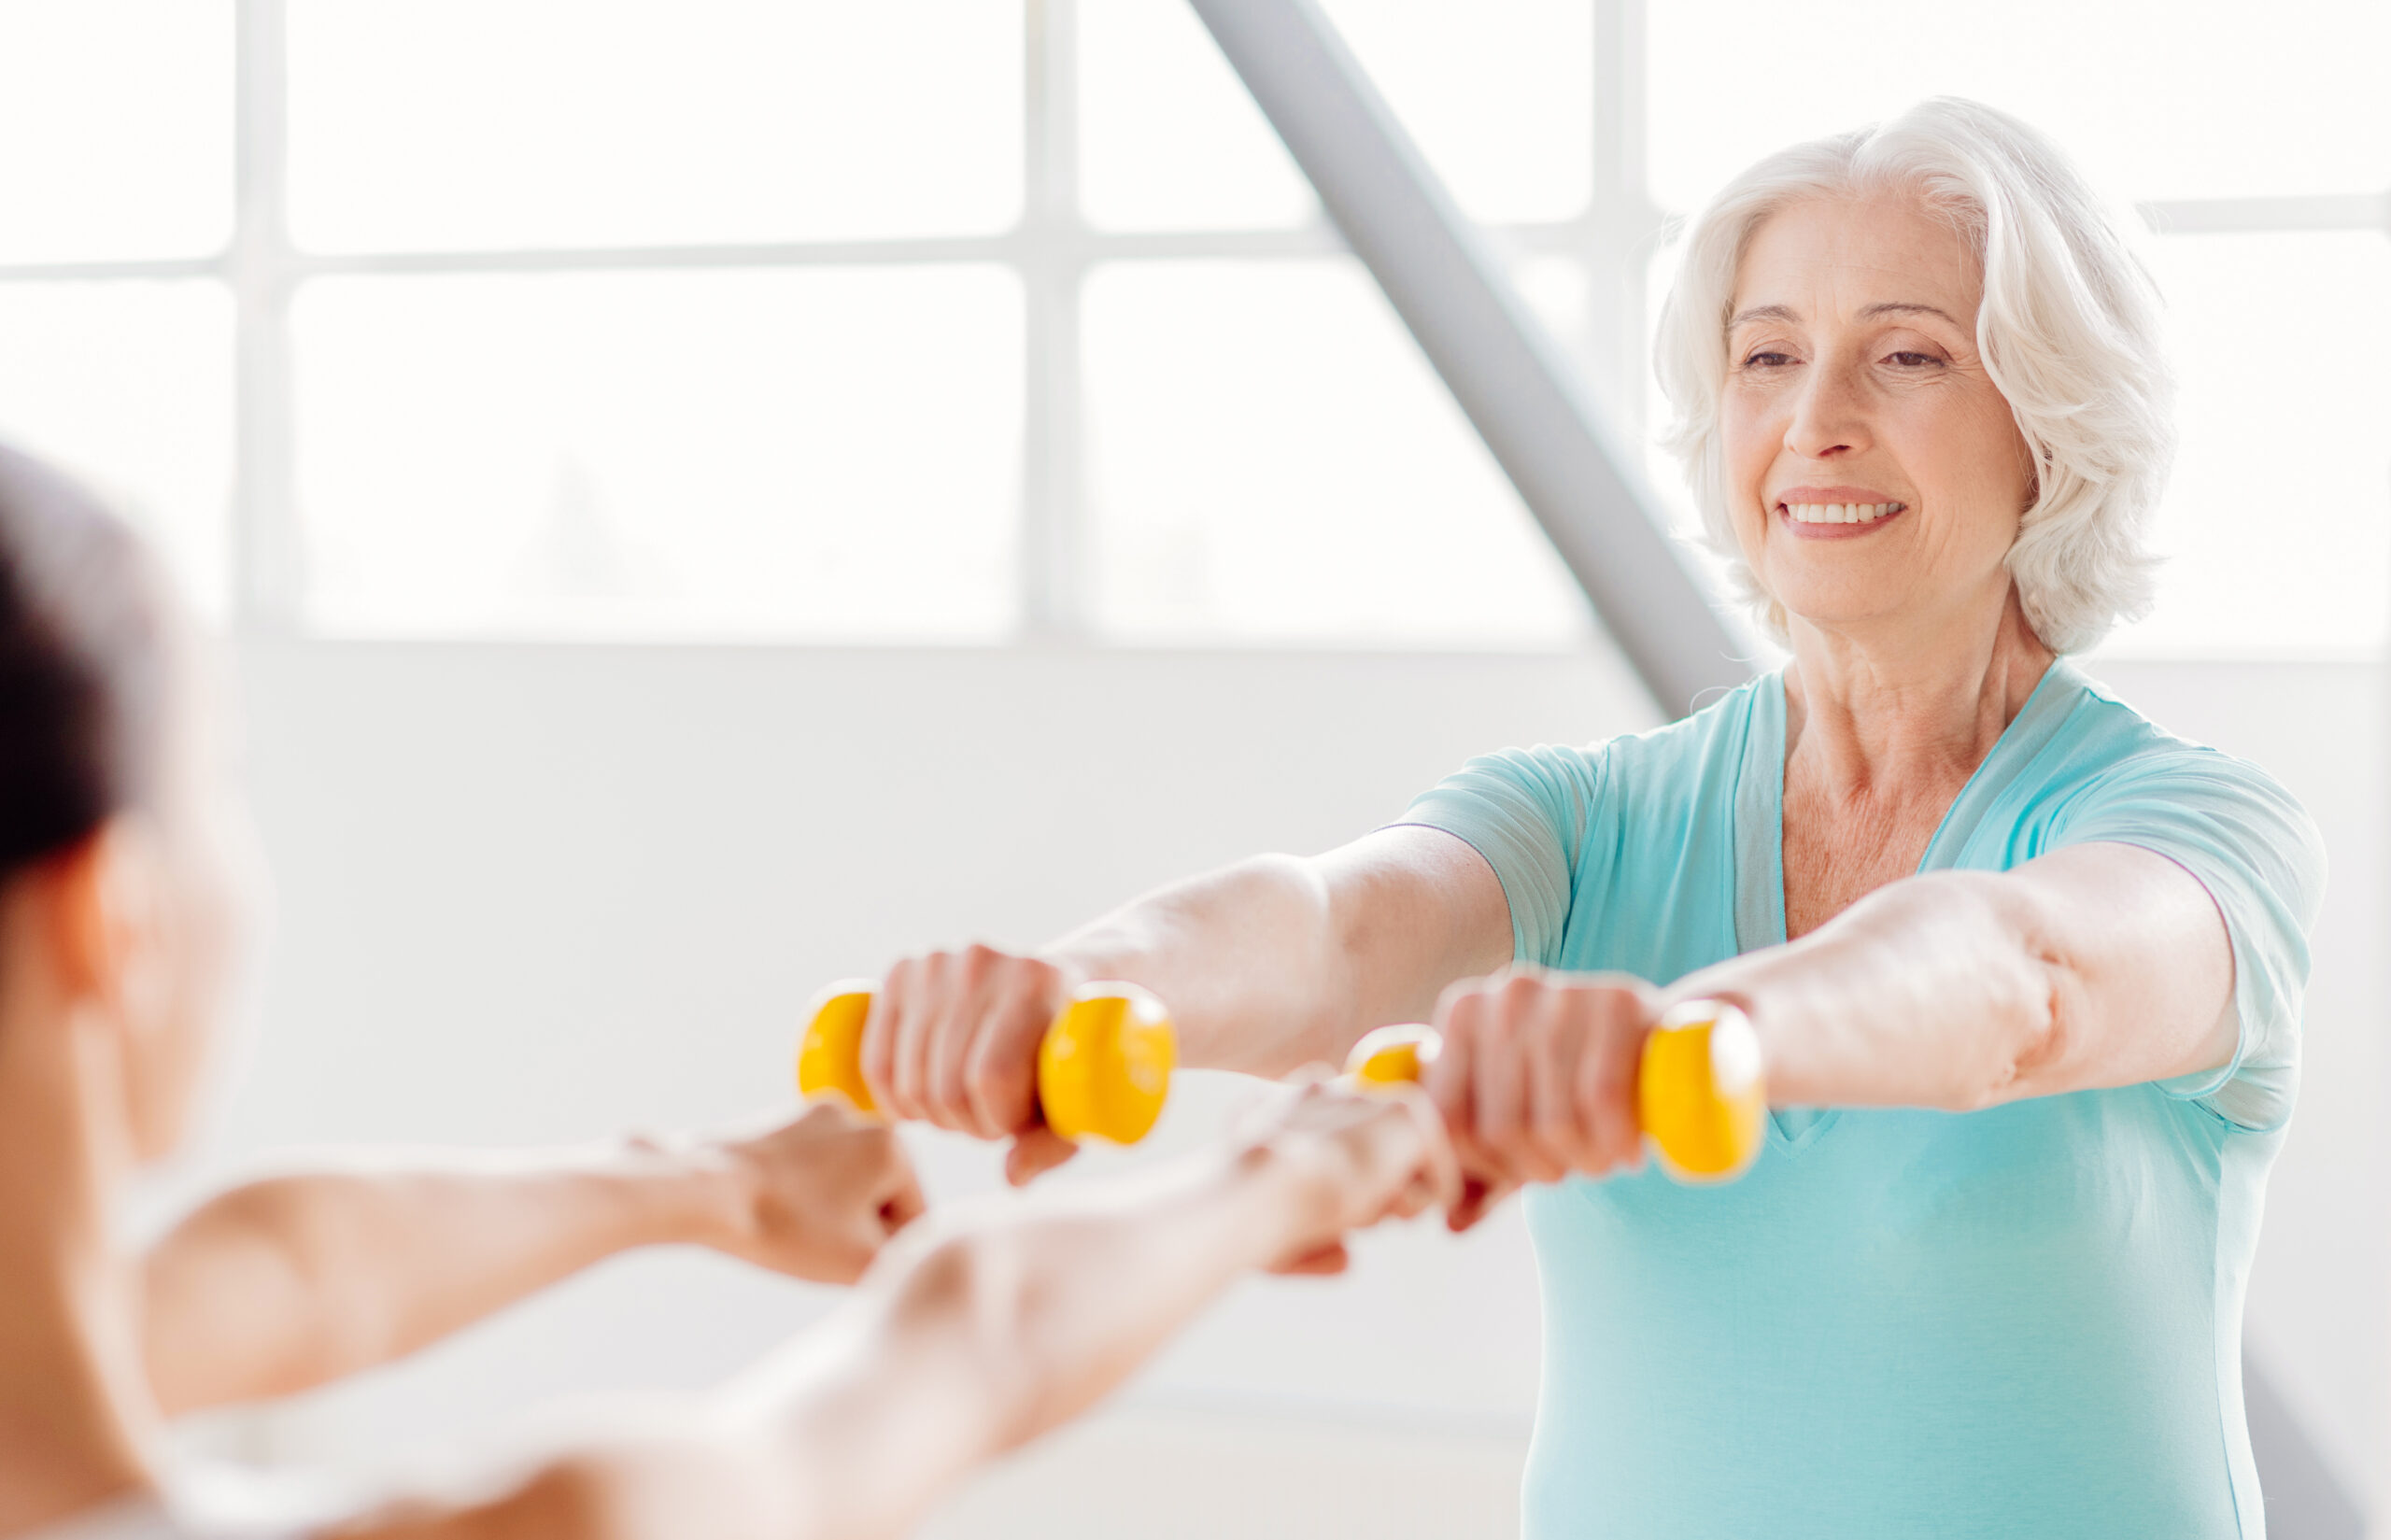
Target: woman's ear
column 99, row 898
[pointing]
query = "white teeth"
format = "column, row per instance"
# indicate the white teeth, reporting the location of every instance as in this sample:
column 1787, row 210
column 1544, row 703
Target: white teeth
column 1839, row 512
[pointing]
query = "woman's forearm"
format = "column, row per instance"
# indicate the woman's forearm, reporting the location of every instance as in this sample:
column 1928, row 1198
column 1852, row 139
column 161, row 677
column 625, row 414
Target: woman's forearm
column 1279, row 961
column 2101, row 964
column 1915, row 996
column 289, row 1282
column 1247, row 957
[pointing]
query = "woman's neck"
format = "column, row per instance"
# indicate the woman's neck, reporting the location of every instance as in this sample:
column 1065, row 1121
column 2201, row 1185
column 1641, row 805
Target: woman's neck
column 1865, row 713
column 76, row 1413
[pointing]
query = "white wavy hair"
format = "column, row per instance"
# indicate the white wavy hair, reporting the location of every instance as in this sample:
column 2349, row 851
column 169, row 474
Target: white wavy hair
column 2069, row 332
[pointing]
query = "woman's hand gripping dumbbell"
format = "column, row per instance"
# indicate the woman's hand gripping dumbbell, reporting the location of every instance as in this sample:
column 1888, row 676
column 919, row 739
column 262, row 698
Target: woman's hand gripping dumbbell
column 1103, row 1066
column 1105, row 1059
column 1700, row 1104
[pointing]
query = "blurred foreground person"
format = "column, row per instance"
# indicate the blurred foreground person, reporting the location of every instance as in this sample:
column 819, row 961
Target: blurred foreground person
column 121, row 913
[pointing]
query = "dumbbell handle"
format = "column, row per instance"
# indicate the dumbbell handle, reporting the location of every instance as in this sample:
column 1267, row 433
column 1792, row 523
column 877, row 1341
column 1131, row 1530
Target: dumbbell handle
column 1103, row 1068
column 1698, row 1093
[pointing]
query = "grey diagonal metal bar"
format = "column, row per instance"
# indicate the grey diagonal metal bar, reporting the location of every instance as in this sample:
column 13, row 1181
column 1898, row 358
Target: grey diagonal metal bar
column 1510, row 377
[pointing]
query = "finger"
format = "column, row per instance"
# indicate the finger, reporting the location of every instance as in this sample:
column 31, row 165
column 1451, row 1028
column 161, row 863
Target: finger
column 1000, row 1070
column 1328, row 1260
column 899, row 1024
column 1558, row 1041
column 1479, row 1198
column 940, row 995
column 1035, row 1153
column 904, row 1204
column 881, row 1027
column 1452, row 1075
column 946, row 1046
column 1605, row 1087
column 979, row 1000
column 1499, row 1103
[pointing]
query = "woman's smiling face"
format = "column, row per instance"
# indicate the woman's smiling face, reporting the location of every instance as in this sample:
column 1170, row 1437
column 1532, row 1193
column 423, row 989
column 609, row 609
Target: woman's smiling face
column 1875, row 474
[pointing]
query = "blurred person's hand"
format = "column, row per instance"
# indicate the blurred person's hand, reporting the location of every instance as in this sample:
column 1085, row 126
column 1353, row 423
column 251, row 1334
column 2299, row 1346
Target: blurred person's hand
column 1352, row 1158
column 953, row 1041
column 814, row 1197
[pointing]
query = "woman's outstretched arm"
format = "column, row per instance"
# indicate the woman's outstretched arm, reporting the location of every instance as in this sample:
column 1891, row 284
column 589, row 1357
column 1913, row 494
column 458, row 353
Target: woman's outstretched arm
column 974, row 1335
column 295, row 1279
column 2097, row 965
column 1268, row 965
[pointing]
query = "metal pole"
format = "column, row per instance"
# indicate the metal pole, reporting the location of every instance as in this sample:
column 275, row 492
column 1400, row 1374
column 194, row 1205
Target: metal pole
column 1512, row 381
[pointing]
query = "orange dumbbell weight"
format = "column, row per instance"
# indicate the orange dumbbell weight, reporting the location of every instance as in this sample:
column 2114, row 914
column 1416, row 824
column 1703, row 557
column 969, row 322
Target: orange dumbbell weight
column 1103, row 1068
column 1698, row 1093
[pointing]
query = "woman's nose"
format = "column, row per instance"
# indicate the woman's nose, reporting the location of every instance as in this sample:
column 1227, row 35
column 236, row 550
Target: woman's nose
column 1829, row 414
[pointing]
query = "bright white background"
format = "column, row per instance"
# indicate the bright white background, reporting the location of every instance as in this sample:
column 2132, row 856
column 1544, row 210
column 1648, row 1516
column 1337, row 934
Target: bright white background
column 676, row 471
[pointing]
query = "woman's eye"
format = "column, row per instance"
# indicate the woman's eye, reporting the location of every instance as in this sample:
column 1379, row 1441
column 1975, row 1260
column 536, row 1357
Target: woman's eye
column 1766, row 360
column 1913, row 360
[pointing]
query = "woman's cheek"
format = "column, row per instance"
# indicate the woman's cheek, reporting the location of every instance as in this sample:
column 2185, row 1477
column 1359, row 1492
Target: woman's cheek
column 1749, row 450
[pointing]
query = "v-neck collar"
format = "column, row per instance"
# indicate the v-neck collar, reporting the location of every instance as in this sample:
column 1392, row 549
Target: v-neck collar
column 1760, row 820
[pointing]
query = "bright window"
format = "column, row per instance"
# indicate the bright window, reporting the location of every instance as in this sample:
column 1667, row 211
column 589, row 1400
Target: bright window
column 676, row 453
column 1270, row 456
column 971, row 320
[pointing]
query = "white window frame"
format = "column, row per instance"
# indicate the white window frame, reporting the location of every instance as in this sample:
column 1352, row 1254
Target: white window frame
column 1052, row 250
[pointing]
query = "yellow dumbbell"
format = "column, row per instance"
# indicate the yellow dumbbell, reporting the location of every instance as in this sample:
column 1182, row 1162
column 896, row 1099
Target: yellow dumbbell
column 1103, row 1068
column 1698, row 1092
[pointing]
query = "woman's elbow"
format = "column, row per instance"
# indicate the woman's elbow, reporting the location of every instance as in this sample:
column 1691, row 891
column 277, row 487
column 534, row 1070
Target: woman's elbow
column 2026, row 987
column 2025, row 1052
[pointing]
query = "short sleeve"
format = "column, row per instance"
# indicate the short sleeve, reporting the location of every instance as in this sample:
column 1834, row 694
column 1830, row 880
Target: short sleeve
column 2258, row 853
column 1525, row 811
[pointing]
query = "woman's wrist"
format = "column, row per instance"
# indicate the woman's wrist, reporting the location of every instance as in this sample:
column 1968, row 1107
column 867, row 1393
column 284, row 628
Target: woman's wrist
column 683, row 1191
column 1282, row 1201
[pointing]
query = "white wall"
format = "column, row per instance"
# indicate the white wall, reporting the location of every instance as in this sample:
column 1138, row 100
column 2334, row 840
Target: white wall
column 544, row 893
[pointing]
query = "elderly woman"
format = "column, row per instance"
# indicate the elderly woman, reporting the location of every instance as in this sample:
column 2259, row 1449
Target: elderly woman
column 2026, row 970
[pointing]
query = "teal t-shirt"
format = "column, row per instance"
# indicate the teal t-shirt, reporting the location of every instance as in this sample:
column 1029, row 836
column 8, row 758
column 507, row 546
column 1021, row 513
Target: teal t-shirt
column 2019, row 1321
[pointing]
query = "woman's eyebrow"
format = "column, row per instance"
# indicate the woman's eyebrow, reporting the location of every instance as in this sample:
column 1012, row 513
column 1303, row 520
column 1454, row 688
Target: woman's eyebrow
column 1763, row 312
column 1908, row 307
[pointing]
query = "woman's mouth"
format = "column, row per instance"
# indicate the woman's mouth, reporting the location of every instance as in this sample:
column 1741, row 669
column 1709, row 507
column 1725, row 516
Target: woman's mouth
column 1829, row 519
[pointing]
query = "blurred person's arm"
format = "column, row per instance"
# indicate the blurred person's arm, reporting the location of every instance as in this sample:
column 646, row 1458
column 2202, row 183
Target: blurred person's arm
column 973, row 1337
column 296, row 1280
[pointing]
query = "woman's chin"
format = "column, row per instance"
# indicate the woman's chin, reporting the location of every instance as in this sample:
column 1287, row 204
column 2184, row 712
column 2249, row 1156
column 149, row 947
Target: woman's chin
column 1838, row 609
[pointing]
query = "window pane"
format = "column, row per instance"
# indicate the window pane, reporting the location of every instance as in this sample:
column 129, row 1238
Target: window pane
column 1168, row 137
column 465, row 123
column 2278, row 519
column 129, row 385
column 116, row 128
column 1272, row 459
column 2192, row 98
column 1500, row 98
column 1499, row 93
column 820, row 453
